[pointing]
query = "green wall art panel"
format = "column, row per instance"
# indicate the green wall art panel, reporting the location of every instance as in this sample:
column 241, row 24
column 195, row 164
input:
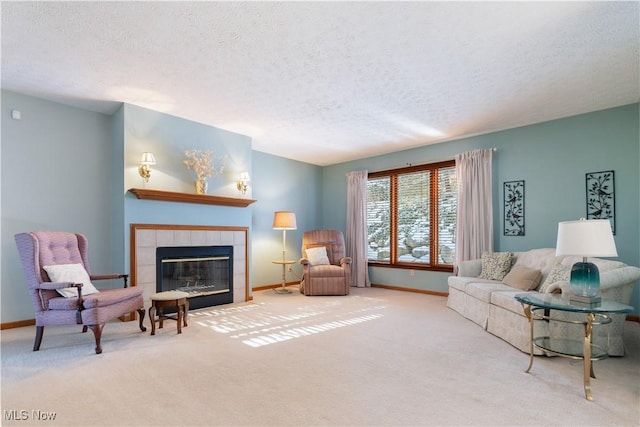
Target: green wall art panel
column 514, row 208
column 601, row 197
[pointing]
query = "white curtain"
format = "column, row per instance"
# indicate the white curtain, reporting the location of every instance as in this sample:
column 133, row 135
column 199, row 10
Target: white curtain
column 474, row 229
column 357, row 227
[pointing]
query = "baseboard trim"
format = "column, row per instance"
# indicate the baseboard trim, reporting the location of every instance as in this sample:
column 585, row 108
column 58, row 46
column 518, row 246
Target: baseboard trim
column 18, row 324
column 278, row 285
column 417, row 291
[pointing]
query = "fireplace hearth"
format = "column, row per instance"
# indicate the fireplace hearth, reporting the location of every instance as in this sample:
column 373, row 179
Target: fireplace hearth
column 204, row 272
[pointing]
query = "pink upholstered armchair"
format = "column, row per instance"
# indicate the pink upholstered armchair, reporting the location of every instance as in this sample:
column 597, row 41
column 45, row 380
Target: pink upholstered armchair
column 65, row 256
column 326, row 270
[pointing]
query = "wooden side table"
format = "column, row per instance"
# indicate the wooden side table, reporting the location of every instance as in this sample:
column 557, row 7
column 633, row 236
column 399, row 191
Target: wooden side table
column 161, row 300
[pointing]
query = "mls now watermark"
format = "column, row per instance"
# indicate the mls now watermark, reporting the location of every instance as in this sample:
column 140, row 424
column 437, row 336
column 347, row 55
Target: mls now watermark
column 25, row 415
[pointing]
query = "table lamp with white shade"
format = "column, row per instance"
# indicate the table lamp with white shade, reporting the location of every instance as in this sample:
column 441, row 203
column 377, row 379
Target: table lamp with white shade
column 585, row 238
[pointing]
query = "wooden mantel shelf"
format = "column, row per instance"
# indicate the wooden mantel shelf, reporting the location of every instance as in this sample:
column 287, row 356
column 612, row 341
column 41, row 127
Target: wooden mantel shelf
column 203, row 199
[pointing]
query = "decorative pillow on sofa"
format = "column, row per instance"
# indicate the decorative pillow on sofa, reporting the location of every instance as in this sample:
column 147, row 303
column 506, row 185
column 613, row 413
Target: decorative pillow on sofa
column 495, row 265
column 317, row 255
column 521, row 277
column 74, row 273
column 560, row 273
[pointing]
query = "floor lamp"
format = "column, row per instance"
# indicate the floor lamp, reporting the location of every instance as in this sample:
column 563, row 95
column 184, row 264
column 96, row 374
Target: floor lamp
column 284, row 220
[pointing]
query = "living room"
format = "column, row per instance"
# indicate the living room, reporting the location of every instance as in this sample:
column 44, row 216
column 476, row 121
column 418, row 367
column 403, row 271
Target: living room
column 68, row 168
column 551, row 157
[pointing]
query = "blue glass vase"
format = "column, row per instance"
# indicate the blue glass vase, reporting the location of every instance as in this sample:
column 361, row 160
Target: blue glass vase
column 585, row 279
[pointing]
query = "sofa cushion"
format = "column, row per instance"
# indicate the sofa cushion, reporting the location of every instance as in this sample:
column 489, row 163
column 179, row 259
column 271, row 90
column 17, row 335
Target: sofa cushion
column 521, row 277
column 506, row 300
column 495, row 265
column 325, row 271
column 560, row 273
column 483, row 290
column 460, row 282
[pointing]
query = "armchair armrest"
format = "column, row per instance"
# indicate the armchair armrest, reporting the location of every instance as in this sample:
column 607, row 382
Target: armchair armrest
column 303, row 261
column 110, row 277
column 345, row 260
column 52, row 286
column 619, row 277
column 562, row 287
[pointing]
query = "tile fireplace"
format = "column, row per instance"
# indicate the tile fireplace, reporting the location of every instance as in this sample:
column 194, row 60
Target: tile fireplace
column 208, row 262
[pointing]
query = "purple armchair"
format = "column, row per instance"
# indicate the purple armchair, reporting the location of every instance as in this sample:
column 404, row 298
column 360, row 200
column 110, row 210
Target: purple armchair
column 38, row 251
column 329, row 273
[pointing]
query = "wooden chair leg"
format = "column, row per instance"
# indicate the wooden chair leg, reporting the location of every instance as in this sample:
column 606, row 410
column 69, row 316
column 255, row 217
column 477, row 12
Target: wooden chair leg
column 152, row 318
column 160, row 316
column 186, row 311
column 179, row 321
column 141, row 314
column 38, row 341
column 97, row 332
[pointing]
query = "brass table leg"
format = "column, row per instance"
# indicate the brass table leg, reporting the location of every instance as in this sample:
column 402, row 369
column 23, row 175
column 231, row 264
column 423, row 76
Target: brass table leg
column 527, row 312
column 588, row 367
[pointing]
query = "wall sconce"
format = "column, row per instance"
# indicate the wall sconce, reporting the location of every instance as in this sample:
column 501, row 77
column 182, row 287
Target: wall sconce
column 242, row 182
column 146, row 160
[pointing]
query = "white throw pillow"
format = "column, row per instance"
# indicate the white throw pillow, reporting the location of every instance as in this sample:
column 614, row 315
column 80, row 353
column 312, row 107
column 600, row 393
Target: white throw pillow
column 560, row 273
column 74, row 273
column 317, row 255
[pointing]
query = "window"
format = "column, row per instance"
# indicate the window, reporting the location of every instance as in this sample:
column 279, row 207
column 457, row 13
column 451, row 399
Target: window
column 411, row 216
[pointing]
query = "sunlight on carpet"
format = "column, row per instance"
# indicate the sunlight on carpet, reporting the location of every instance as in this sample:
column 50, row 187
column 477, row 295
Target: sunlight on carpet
column 259, row 324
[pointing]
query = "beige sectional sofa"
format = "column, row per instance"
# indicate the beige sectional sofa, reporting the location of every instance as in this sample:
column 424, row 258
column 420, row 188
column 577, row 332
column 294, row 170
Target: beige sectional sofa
column 491, row 303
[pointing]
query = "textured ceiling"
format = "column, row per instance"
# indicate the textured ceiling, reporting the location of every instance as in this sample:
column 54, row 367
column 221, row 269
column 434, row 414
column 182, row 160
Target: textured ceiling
column 326, row 82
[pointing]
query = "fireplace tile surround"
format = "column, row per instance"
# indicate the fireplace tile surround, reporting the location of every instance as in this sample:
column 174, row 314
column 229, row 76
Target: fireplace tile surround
column 145, row 238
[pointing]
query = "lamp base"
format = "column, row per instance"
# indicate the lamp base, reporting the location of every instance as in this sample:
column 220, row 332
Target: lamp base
column 585, row 301
column 585, row 280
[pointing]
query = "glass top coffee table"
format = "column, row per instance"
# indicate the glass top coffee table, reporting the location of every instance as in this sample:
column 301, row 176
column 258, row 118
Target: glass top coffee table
column 539, row 306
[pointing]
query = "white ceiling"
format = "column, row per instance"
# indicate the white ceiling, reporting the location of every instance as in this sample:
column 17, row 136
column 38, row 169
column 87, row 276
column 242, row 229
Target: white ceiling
column 326, row 82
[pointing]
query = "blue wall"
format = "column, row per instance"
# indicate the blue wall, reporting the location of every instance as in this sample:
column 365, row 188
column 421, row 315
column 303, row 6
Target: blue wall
column 167, row 137
column 283, row 185
column 68, row 169
column 55, row 176
column 552, row 158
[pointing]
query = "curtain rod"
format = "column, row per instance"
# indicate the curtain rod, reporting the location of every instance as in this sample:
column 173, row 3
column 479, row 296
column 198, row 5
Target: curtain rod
column 494, row 149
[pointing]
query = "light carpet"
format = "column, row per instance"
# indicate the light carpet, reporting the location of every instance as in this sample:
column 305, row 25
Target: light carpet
column 374, row 358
